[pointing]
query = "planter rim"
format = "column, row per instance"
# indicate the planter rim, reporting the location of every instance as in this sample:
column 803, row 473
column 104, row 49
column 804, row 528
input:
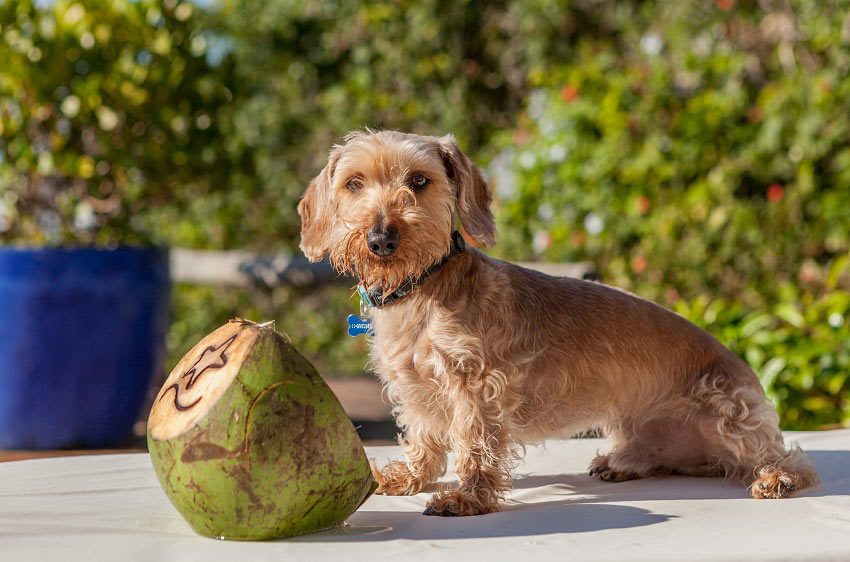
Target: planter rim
column 41, row 250
column 84, row 263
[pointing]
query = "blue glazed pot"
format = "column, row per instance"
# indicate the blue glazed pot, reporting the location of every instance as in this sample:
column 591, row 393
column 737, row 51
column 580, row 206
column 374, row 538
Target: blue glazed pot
column 82, row 332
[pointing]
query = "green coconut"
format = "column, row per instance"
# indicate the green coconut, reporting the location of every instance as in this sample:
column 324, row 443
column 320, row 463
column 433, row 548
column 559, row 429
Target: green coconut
column 249, row 442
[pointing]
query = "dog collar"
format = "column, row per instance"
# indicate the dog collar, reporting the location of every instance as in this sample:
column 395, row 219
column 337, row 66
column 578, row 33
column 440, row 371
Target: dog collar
column 376, row 298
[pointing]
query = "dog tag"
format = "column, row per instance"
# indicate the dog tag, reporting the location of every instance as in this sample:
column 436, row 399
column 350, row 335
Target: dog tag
column 357, row 326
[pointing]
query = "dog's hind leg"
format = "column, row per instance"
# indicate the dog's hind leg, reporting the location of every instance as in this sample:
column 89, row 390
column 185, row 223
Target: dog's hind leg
column 655, row 447
column 602, row 467
column 743, row 436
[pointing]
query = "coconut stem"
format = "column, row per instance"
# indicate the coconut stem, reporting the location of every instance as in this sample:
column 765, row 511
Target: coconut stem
column 246, row 322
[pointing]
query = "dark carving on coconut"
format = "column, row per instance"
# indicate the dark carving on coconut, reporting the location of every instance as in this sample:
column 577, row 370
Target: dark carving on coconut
column 207, row 360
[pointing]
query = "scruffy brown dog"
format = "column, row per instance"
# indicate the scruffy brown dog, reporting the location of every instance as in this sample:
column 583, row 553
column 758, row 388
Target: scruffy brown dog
column 483, row 357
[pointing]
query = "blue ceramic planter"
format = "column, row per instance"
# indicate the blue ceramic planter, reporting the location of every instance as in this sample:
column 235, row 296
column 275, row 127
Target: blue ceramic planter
column 82, row 332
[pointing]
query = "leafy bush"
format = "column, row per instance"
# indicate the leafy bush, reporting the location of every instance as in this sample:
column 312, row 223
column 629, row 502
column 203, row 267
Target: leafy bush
column 800, row 347
column 702, row 160
column 112, row 125
column 308, row 72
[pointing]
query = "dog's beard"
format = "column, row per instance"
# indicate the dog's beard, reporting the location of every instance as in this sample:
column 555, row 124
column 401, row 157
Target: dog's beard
column 416, row 253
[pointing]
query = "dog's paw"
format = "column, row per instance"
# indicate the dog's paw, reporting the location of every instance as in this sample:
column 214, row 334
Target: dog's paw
column 395, row 479
column 599, row 463
column 774, row 484
column 456, row 503
column 600, row 469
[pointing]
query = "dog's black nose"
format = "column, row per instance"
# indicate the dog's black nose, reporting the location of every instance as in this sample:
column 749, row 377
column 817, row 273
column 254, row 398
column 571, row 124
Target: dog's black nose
column 382, row 241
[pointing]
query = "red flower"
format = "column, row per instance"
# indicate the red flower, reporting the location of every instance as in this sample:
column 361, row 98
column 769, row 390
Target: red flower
column 520, row 136
column 643, row 204
column 569, row 92
column 775, row 193
column 639, row 264
column 725, row 5
column 808, row 273
column 577, row 238
column 755, row 114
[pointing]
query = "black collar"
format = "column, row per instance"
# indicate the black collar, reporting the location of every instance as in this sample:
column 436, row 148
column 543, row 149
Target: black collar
column 376, row 298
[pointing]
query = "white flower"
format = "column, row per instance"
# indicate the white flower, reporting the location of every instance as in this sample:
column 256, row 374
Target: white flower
column 836, row 320
column 651, row 44
column 203, row 121
column 557, row 153
column 87, row 40
column 45, row 163
column 73, row 14
column 179, row 124
column 84, row 218
column 505, row 186
column 545, row 211
column 541, row 242
column 501, row 170
column 106, row 118
column 183, row 11
column 198, row 45
column 537, row 104
column 70, row 106
column 547, row 128
column 593, row 224
column 702, row 44
column 4, row 218
column 527, row 160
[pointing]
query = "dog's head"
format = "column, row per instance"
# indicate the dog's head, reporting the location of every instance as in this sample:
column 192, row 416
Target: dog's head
column 386, row 204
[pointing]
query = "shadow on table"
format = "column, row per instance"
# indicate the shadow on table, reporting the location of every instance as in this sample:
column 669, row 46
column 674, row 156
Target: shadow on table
column 834, row 470
column 582, row 488
column 582, row 508
column 541, row 518
column 833, row 467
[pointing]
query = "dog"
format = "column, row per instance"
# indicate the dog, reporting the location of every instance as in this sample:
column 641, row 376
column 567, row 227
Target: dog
column 484, row 357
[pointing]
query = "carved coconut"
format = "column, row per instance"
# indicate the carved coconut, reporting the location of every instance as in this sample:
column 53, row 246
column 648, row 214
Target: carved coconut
column 249, row 442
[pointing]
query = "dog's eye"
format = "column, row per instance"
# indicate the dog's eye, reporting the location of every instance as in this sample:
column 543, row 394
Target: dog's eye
column 354, row 184
column 418, row 181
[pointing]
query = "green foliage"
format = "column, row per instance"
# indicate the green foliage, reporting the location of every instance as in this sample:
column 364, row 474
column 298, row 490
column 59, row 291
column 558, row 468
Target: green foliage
column 697, row 152
column 800, row 347
column 702, row 159
column 110, row 124
column 308, row 72
column 314, row 321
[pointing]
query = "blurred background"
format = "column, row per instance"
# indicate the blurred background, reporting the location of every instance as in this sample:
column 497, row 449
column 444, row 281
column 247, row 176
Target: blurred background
column 694, row 152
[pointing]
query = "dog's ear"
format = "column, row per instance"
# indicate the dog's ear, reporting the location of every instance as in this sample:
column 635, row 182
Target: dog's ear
column 471, row 191
column 316, row 212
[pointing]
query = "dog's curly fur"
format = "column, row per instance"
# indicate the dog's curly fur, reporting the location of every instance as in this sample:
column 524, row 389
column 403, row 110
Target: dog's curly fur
column 485, row 356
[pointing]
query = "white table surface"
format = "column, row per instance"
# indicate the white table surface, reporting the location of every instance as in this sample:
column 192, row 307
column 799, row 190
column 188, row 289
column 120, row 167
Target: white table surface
column 111, row 507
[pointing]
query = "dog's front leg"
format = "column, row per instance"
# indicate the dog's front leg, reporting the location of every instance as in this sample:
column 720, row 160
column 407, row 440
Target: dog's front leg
column 483, row 458
column 425, row 449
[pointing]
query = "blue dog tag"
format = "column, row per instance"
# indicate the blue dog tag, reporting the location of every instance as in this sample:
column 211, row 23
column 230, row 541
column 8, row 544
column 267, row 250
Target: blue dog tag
column 357, row 326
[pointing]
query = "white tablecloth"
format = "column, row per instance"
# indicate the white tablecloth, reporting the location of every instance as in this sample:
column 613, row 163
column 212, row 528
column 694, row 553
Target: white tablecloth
column 111, row 508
